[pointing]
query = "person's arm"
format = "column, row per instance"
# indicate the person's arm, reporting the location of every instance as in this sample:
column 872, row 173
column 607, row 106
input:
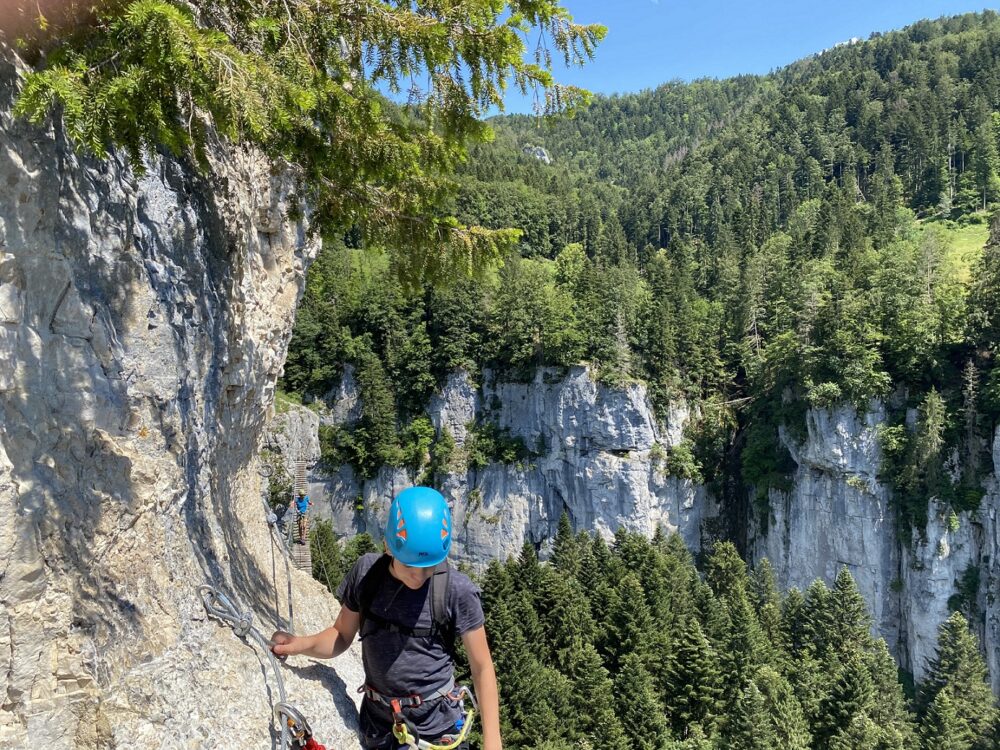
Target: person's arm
column 326, row 644
column 484, row 678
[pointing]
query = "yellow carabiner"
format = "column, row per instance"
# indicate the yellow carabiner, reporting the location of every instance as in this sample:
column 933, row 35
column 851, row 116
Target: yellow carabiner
column 403, row 736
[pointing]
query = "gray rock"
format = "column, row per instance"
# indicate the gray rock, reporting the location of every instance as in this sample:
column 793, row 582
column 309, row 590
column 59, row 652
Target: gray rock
column 838, row 513
column 143, row 321
column 344, row 400
column 293, row 434
column 595, row 460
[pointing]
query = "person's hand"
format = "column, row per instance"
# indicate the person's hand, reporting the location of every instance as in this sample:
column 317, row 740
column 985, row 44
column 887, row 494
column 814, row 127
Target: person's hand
column 285, row 644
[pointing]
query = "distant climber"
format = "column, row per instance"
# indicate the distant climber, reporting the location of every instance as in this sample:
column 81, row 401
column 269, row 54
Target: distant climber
column 409, row 607
column 302, row 505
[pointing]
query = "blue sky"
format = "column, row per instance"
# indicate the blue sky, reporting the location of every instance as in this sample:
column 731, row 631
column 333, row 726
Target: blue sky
column 653, row 41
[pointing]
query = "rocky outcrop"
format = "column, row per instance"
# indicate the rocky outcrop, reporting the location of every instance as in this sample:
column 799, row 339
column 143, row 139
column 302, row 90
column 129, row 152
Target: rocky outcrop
column 933, row 564
column 292, row 435
column 597, row 456
column 838, row 513
column 596, row 453
column 988, row 599
column 143, row 321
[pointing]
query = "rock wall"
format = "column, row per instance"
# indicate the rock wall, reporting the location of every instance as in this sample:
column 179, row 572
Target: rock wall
column 989, row 561
column 595, row 457
column 292, row 435
column 143, row 321
column 597, row 461
column 838, row 513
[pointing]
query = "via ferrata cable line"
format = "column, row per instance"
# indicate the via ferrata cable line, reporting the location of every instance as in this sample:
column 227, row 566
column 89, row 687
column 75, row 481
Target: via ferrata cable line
column 296, row 734
column 274, row 533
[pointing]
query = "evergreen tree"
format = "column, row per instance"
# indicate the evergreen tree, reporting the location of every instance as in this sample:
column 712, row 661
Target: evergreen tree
column 986, row 162
column 303, row 82
column 691, row 683
column 984, row 295
column 631, row 626
column 941, row 728
column 889, row 710
column 848, row 700
column 817, row 621
column 327, row 566
column 636, row 705
column 784, row 716
column 527, row 573
column 850, row 622
column 356, row 547
column 861, row 734
column 594, row 701
column 748, row 726
column 565, row 619
column 525, row 689
column 959, row 669
column 565, row 549
column 767, row 604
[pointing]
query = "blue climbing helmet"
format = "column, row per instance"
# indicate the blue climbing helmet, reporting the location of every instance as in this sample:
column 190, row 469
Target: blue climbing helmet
column 418, row 529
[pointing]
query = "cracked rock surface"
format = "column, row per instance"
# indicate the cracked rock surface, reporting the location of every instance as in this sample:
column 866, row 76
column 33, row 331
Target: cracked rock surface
column 143, row 321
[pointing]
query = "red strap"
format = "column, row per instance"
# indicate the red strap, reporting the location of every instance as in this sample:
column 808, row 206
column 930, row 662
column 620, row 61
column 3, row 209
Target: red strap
column 312, row 744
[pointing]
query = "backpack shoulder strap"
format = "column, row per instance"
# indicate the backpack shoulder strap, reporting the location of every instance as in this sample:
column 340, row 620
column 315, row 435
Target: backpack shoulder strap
column 443, row 622
column 370, row 585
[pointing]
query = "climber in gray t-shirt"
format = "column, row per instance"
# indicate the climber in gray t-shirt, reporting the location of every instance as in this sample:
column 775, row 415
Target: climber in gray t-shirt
column 409, row 608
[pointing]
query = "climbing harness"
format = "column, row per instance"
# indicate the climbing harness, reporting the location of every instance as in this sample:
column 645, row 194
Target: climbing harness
column 296, row 733
column 409, row 701
column 443, row 629
column 406, row 733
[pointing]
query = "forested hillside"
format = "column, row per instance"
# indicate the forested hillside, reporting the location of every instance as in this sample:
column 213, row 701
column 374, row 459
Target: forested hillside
column 753, row 246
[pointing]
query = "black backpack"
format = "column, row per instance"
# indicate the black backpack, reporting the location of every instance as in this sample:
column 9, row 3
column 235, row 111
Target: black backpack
column 442, row 627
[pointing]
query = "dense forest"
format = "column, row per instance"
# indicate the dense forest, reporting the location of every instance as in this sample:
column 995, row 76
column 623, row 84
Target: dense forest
column 628, row 647
column 754, row 246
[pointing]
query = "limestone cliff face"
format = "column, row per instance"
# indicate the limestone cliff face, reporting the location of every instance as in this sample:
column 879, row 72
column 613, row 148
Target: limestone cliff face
column 143, row 321
column 594, row 456
column 839, row 514
column 596, row 460
column 988, row 542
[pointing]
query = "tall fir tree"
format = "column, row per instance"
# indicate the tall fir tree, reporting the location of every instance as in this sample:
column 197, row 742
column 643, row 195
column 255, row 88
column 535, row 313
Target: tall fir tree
column 748, row 726
column 637, row 707
column 566, row 549
column 848, row 700
column 850, row 622
column 594, row 701
column 959, row 669
column 691, row 684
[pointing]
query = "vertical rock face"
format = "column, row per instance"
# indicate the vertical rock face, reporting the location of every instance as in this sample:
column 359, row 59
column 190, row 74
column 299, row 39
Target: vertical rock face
column 933, row 565
column 594, row 455
column 293, row 435
column 838, row 514
column 143, row 321
column 989, row 561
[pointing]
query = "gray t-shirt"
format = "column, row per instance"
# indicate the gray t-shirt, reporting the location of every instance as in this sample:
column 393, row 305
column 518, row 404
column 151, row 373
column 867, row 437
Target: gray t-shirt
column 397, row 664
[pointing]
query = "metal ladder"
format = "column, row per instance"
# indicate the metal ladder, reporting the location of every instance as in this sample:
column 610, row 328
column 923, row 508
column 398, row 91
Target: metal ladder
column 301, row 553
